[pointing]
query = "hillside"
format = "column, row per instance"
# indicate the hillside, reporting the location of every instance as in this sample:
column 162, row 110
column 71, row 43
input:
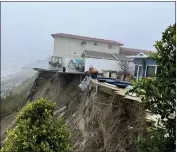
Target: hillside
column 12, row 83
column 99, row 121
column 11, row 79
column 15, row 97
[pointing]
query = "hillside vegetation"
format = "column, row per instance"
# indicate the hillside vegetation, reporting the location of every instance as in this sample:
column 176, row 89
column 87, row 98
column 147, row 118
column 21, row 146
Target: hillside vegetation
column 16, row 98
column 38, row 130
column 12, row 82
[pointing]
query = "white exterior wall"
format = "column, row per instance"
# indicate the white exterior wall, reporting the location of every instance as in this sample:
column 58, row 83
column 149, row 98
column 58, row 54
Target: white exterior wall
column 64, row 47
column 101, row 64
column 66, row 63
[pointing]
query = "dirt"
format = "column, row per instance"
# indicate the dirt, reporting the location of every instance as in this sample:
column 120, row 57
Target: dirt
column 98, row 121
column 7, row 122
column 107, row 127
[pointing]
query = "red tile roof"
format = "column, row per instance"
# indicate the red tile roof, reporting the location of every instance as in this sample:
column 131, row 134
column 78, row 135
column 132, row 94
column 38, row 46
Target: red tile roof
column 86, row 38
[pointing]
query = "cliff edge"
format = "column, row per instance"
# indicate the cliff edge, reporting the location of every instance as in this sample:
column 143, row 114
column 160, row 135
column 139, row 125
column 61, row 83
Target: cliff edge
column 99, row 120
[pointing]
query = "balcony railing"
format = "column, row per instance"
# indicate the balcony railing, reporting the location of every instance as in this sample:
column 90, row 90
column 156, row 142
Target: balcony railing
column 56, row 61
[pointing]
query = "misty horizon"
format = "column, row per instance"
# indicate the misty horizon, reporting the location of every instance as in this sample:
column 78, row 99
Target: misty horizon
column 26, row 27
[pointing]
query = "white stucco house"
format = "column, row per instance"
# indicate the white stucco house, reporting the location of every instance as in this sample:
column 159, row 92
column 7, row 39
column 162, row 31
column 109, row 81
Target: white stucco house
column 72, row 45
column 104, row 55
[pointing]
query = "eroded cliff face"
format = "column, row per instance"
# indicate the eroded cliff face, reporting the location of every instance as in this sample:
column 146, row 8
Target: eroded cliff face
column 98, row 121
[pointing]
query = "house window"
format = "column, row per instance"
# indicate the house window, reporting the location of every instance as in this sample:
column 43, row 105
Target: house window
column 83, row 43
column 95, row 44
column 150, row 71
column 136, row 70
column 127, row 53
column 110, row 47
column 138, row 73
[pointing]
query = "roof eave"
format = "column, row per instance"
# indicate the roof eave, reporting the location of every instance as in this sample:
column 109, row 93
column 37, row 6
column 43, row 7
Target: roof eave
column 115, row 43
column 121, row 44
column 53, row 35
column 140, row 57
column 98, row 57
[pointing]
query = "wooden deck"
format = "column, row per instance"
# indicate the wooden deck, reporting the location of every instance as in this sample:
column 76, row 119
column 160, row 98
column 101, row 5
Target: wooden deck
column 58, row 71
column 120, row 91
column 115, row 89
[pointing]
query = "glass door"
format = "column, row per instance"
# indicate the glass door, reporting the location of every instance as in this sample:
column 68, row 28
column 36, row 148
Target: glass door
column 140, row 71
column 136, row 71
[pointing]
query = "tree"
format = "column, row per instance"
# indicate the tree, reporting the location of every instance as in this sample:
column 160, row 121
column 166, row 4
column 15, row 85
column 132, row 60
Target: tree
column 124, row 66
column 38, row 130
column 159, row 96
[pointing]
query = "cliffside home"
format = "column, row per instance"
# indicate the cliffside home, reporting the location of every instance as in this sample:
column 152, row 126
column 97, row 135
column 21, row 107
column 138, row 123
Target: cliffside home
column 72, row 45
column 102, row 54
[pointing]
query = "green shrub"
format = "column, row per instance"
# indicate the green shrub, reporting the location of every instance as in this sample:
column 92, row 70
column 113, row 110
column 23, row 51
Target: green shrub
column 159, row 96
column 38, row 130
column 154, row 141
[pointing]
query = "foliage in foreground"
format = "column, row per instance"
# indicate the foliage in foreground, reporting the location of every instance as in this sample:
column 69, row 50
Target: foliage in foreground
column 38, row 130
column 159, row 97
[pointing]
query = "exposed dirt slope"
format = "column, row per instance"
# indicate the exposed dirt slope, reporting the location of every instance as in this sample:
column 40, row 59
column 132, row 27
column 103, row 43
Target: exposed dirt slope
column 99, row 122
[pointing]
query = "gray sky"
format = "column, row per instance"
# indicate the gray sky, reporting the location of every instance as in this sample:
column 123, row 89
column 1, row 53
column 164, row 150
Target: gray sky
column 26, row 26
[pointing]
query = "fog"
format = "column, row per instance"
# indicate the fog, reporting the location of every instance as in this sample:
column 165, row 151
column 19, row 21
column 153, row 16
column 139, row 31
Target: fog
column 26, row 27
